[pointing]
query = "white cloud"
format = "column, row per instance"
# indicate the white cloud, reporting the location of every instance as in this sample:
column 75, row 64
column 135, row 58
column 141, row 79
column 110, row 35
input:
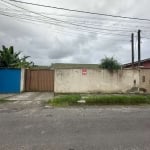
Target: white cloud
column 49, row 44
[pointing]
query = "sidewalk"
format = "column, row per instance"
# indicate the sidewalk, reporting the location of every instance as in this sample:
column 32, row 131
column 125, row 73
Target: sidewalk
column 28, row 96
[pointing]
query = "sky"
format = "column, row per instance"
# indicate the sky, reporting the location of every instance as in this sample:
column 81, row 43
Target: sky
column 53, row 36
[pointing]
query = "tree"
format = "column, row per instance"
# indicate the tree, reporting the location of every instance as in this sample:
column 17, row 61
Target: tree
column 110, row 64
column 9, row 58
column 25, row 63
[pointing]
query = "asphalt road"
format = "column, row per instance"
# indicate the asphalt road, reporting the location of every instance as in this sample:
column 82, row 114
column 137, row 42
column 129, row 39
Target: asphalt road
column 88, row 128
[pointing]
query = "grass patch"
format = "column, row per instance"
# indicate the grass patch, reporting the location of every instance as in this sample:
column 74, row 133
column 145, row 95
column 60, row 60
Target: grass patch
column 3, row 101
column 71, row 100
column 65, row 100
column 118, row 100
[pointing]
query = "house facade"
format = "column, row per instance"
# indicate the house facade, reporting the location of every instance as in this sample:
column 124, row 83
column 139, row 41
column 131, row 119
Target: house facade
column 145, row 63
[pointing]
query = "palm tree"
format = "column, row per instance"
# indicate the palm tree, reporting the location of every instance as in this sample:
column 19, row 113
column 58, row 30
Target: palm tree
column 24, row 63
column 9, row 58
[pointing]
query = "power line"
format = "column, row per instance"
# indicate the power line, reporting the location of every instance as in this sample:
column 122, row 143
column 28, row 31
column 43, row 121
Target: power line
column 99, row 22
column 62, row 21
column 74, row 21
column 60, row 25
column 75, row 33
column 114, row 25
column 78, row 17
column 81, row 11
column 89, row 25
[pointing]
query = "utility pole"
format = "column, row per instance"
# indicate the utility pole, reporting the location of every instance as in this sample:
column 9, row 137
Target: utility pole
column 132, row 48
column 139, row 48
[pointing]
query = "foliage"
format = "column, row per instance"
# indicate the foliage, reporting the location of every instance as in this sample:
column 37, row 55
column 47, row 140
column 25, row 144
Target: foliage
column 110, row 64
column 9, row 58
column 118, row 100
column 3, row 101
column 65, row 100
column 109, row 99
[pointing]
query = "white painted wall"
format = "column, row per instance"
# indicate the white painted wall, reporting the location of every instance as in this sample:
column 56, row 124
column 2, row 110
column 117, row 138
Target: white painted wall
column 96, row 80
column 22, row 80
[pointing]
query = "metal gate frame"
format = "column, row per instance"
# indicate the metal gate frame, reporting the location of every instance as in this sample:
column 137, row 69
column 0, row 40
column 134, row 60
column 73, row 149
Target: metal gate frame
column 39, row 80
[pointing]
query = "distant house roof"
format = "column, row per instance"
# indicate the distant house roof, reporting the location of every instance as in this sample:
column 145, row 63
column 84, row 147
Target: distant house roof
column 74, row 66
column 136, row 63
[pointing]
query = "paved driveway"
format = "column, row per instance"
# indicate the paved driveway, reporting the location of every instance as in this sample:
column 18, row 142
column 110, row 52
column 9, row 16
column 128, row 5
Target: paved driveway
column 28, row 96
column 4, row 96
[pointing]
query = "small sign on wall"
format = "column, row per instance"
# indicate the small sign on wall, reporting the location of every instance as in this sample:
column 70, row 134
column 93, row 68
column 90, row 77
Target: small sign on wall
column 84, row 71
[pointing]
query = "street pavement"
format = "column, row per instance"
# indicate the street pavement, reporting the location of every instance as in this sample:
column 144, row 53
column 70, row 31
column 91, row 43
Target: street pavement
column 29, row 125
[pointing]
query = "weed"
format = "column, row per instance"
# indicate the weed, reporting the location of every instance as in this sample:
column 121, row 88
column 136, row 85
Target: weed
column 118, row 100
column 65, row 100
column 3, row 101
column 69, row 100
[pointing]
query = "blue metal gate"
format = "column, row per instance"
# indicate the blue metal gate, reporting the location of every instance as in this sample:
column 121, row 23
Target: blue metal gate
column 10, row 80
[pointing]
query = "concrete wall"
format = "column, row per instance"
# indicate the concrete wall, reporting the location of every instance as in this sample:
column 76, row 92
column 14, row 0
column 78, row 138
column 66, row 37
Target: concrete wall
column 96, row 80
column 145, row 80
column 22, row 80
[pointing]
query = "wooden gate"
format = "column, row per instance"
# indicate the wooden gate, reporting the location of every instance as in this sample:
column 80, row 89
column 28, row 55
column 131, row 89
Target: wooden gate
column 39, row 80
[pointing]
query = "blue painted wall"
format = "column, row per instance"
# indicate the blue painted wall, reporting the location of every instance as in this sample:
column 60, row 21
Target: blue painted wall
column 10, row 80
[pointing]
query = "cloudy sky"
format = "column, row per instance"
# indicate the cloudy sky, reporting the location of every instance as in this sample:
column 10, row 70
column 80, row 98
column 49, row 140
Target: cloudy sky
column 57, row 36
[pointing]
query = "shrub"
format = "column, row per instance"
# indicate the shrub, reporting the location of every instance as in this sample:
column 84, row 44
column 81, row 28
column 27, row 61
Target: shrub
column 110, row 64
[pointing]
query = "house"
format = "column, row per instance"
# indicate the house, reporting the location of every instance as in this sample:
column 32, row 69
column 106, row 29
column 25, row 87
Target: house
column 145, row 63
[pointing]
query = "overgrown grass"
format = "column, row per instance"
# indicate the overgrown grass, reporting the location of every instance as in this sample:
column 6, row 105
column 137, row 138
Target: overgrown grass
column 3, row 101
column 118, row 100
column 70, row 100
column 65, row 100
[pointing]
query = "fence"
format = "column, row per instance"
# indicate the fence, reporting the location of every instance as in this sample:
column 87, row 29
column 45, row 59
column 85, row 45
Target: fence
column 10, row 80
column 95, row 80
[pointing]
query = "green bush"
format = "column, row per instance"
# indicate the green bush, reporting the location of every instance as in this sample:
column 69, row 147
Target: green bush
column 110, row 64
